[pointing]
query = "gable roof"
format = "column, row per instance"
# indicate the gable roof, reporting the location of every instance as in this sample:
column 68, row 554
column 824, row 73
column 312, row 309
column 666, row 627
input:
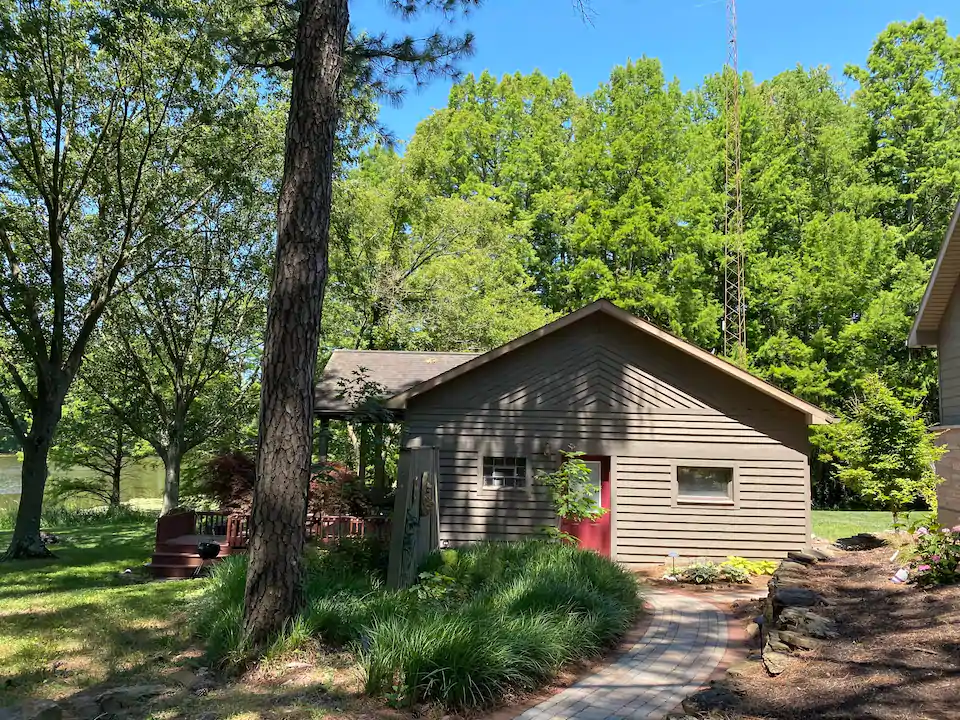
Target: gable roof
column 814, row 415
column 395, row 370
column 926, row 326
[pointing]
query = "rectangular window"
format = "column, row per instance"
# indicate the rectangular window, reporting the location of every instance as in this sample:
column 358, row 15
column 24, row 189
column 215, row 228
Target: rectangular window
column 704, row 483
column 504, row 472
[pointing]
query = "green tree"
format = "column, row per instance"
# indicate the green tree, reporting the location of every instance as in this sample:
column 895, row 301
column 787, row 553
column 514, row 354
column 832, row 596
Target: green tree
column 883, row 449
column 176, row 360
column 908, row 96
column 115, row 123
column 414, row 270
column 92, row 437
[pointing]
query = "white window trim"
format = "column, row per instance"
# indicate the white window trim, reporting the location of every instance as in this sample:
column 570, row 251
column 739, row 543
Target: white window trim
column 678, row 500
column 528, row 479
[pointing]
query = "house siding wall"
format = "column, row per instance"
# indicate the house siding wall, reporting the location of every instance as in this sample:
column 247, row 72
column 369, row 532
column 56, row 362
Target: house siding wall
column 611, row 390
column 948, row 351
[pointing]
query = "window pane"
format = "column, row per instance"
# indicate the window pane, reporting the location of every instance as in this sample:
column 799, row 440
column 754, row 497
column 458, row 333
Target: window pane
column 704, row 482
column 504, row 472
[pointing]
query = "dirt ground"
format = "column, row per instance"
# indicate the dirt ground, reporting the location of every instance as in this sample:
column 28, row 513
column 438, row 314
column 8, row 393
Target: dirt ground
column 897, row 657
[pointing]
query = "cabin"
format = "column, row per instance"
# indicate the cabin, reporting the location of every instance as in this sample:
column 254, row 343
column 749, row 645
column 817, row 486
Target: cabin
column 937, row 325
column 693, row 456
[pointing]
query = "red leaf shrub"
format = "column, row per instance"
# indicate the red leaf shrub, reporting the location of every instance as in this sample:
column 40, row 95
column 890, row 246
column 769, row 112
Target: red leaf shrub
column 336, row 490
column 228, row 478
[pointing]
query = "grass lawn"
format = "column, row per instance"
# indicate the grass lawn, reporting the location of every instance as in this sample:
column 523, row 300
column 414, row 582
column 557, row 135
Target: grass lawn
column 75, row 621
column 833, row 524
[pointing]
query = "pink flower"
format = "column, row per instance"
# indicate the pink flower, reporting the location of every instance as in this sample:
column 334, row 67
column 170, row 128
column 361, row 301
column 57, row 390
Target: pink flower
column 946, row 531
column 922, row 531
column 923, row 568
column 935, row 558
column 956, row 528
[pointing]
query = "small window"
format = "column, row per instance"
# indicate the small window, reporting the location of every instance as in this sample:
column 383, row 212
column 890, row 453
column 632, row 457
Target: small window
column 504, row 472
column 705, row 483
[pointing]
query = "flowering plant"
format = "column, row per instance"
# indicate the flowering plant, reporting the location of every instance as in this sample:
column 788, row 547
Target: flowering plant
column 937, row 559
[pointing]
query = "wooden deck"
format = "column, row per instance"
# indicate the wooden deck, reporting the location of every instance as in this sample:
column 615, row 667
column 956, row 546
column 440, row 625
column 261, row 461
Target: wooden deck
column 175, row 550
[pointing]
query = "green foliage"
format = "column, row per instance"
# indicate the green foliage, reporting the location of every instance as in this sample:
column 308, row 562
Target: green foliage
column 572, row 489
column 91, row 436
column 884, row 450
column 937, row 555
column 483, row 622
column 751, row 567
column 734, row 574
column 703, row 572
column 58, row 515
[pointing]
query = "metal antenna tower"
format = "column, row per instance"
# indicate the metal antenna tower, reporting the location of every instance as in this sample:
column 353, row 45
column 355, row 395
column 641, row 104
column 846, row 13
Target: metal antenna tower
column 734, row 307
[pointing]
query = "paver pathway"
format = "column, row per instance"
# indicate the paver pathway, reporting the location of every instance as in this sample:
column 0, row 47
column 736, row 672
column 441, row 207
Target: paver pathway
column 680, row 649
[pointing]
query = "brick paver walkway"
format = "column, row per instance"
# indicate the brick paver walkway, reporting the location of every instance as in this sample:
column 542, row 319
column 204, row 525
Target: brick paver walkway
column 684, row 643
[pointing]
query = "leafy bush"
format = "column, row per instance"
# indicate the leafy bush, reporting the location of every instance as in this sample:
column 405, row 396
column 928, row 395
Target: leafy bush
column 700, row 573
column 572, row 488
column 752, row 567
column 336, row 490
column 357, row 555
column 483, row 621
column 937, row 555
column 56, row 516
column 734, row 574
column 706, row 572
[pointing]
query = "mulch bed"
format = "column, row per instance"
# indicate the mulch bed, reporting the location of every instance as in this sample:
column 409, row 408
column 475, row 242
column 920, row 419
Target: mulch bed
column 897, row 657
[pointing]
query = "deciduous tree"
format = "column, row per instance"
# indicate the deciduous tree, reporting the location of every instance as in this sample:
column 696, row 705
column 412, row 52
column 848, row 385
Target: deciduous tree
column 115, row 123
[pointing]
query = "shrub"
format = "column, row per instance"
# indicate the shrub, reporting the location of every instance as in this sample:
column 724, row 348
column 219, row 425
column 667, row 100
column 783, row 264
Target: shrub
column 54, row 516
column 336, row 490
column 937, row 555
column 483, row 621
column 734, row 574
column 228, row 477
column 700, row 573
column 752, row 567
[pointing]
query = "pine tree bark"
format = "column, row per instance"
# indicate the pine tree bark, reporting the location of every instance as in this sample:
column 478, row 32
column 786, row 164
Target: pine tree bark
column 275, row 575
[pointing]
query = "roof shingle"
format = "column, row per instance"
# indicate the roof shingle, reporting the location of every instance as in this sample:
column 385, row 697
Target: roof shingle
column 395, row 370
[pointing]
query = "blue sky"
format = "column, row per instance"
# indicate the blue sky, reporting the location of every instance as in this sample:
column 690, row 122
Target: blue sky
column 688, row 36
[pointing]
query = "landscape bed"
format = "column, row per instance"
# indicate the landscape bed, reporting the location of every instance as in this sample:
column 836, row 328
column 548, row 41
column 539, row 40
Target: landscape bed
column 482, row 623
column 897, row 655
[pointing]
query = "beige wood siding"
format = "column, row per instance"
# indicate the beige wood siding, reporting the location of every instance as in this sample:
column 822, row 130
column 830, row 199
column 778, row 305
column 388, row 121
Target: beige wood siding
column 948, row 352
column 610, row 391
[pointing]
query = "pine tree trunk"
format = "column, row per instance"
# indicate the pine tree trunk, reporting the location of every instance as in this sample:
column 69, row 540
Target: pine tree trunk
column 172, row 460
column 275, row 576
column 26, row 542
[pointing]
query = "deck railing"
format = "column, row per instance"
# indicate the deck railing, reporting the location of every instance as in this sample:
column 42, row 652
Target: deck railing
column 235, row 527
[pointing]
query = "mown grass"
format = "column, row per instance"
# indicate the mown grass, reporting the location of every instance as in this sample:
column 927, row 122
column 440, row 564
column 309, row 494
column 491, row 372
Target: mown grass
column 483, row 622
column 833, row 524
column 76, row 620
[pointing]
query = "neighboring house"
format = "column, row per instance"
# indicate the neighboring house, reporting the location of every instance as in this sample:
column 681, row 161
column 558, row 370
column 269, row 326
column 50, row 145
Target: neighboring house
column 937, row 325
column 692, row 454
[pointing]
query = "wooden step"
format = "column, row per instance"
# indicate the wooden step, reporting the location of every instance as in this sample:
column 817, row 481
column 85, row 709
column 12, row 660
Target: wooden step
column 166, row 569
column 179, row 559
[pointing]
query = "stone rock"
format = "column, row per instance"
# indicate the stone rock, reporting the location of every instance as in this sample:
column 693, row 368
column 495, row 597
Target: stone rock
column 775, row 662
column 718, row 697
column 861, row 541
column 185, row 678
column 119, row 699
column 33, row 710
column 740, row 669
column 83, row 707
column 753, row 629
column 823, row 553
column 798, row 641
column 803, row 557
column 808, row 622
column 797, row 597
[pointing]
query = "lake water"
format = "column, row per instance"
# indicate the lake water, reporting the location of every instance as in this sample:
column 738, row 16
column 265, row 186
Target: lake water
column 143, row 480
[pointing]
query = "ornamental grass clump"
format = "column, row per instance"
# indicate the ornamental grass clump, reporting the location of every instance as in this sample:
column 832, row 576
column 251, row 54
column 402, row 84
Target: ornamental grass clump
column 937, row 560
column 482, row 621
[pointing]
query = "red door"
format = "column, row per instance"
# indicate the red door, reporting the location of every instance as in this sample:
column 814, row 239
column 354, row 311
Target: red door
column 595, row 534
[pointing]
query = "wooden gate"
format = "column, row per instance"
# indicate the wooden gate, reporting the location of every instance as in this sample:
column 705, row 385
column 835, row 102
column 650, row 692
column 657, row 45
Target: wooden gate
column 416, row 516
